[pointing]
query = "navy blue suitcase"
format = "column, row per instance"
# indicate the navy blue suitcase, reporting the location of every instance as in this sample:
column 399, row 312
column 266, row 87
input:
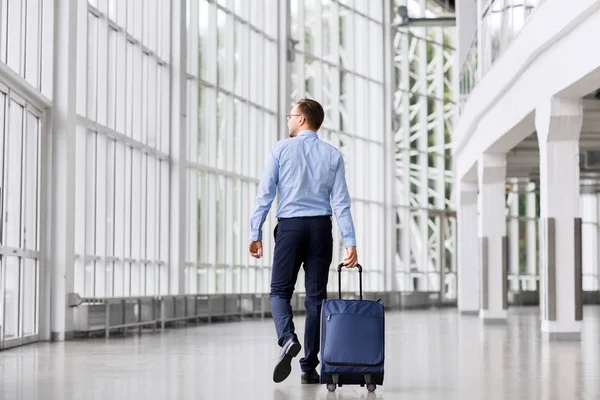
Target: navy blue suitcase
column 352, row 341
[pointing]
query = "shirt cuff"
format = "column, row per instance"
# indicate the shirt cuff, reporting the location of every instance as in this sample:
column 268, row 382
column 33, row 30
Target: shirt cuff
column 350, row 242
column 256, row 236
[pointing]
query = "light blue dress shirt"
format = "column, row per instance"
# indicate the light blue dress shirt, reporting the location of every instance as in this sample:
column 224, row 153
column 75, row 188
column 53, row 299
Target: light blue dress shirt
column 311, row 178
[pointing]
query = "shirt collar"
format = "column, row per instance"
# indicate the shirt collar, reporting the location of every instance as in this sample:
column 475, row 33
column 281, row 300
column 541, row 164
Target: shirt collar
column 308, row 133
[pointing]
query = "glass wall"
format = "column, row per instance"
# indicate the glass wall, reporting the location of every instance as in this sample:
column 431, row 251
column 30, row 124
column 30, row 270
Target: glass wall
column 122, row 148
column 232, row 69
column 24, row 47
column 523, row 209
column 522, row 231
column 424, row 112
column 501, row 22
column 19, row 224
column 339, row 62
column 238, row 76
column 468, row 72
column 590, row 235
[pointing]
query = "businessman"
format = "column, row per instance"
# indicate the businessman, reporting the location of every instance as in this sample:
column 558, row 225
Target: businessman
column 310, row 177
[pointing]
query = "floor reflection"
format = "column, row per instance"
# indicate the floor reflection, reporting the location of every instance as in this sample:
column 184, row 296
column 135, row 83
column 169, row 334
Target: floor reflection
column 432, row 354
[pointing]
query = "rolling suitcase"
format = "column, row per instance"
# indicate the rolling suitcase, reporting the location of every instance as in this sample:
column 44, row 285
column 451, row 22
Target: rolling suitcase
column 352, row 341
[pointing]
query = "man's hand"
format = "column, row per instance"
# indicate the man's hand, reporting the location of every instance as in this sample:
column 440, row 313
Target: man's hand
column 255, row 249
column 351, row 257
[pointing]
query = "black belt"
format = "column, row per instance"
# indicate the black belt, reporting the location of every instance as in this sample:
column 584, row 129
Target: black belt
column 308, row 217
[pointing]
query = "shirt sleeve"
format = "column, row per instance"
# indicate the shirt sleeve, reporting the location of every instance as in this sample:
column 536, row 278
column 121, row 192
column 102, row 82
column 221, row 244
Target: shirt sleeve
column 267, row 189
column 340, row 202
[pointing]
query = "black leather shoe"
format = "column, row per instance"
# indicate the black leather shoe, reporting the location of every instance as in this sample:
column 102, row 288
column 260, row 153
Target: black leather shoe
column 284, row 366
column 311, row 377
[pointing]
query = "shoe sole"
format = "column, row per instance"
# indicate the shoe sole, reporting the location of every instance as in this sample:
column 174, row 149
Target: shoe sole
column 284, row 367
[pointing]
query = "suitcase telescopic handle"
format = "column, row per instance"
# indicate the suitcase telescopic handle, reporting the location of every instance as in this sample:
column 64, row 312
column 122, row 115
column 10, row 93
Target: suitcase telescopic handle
column 340, row 279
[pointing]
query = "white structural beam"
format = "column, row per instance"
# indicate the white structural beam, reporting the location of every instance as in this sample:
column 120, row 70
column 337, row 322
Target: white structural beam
column 192, row 250
column 468, row 259
column 558, row 123
column 63, row 167
column 492, row 236
column 423, row 145
column 389, row 155
column 178, row 190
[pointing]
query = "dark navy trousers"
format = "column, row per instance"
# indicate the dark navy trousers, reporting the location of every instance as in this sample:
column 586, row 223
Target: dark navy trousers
column 308, row 241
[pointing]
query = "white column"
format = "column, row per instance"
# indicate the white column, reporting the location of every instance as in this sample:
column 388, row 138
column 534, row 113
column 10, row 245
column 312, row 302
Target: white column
column 192, row 248
column 423, row 259
column 531, row 237
column 62, row 187
column 558, row 124
column 389, row 154
column 492, row 236
column 468, row 244
column 178, row 149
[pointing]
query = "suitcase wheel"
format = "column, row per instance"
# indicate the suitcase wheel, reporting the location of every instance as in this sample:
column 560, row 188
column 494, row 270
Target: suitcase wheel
column 331, row 387
column 371, row 387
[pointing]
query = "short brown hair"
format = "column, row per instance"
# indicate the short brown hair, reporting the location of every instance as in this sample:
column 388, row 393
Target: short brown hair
column 312, row 111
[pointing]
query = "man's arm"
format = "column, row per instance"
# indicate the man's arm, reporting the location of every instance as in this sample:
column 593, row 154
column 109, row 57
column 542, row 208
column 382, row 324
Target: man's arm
column 340, row 201
column 267, row 189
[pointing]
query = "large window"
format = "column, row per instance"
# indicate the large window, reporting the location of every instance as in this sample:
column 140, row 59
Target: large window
column 122, row 147
column 522, row 231
column 25, row 41
column 339, row 62
column 19, row 223
column 502, row 21
column 233, row 76
column 424, row 108
column 238, row 75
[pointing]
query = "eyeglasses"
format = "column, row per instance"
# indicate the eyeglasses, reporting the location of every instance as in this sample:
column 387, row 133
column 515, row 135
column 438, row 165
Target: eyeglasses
column 288, row 116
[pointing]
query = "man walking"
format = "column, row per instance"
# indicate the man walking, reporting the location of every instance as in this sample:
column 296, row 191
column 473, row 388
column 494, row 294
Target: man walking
column 310, row 176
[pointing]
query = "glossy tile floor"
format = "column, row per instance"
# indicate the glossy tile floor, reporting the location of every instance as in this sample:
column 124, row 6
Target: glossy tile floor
column 433, row 354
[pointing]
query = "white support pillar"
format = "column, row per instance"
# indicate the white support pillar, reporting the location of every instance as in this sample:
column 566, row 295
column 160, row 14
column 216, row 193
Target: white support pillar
column 468, row 243
column 424, row 264
column 558, row 124
column 62, row 187
column 178, row 165
column 389, row 155
column 531, row 237
column 492, row 237
column 192, row 272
